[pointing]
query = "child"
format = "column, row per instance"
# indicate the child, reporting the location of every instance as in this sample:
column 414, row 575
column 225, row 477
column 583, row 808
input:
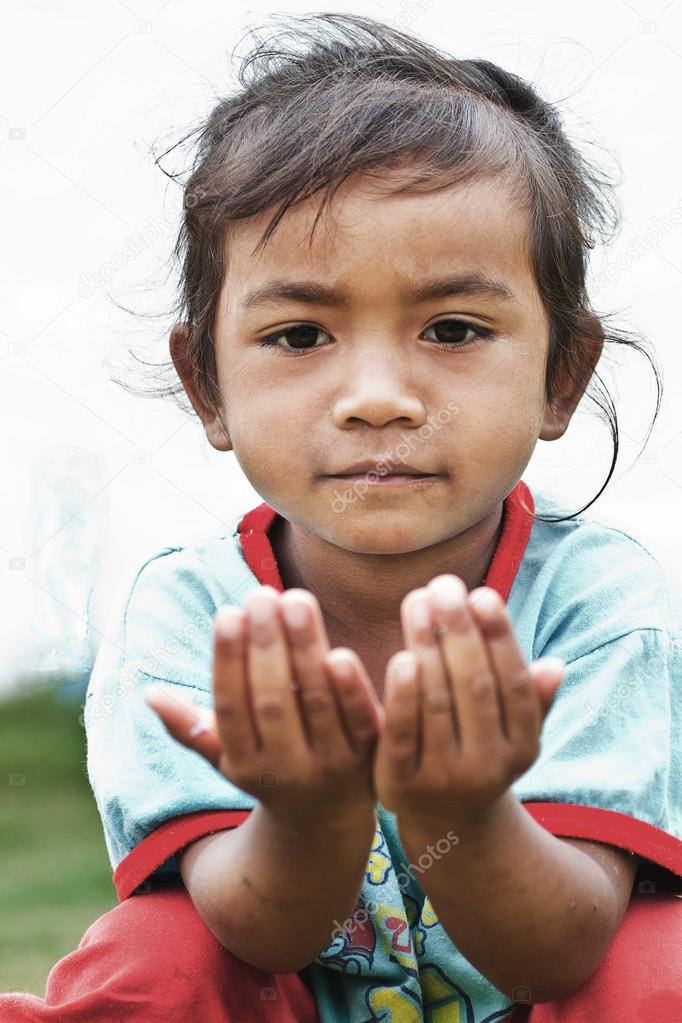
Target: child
column 428, row 728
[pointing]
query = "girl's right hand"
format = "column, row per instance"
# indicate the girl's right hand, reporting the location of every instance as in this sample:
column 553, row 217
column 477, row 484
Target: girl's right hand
column 286, row 727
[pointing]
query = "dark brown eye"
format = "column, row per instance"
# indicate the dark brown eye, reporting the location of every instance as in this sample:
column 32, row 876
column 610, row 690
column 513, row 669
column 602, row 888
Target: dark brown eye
column 300, row 338
column 300, row 335
column 453, row 333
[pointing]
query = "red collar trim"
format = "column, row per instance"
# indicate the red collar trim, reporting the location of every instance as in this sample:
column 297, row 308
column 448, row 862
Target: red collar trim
column 566, row 820
column 517, row 522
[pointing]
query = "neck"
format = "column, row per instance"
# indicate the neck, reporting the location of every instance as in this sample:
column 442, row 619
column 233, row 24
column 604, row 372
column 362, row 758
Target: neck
column 359, row 590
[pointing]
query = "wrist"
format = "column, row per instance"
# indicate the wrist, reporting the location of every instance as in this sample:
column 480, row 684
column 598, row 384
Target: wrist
column 333, row 819
column 418, row 828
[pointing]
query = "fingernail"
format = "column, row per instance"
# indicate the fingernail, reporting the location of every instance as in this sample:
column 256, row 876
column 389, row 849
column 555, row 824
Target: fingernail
column 227, row 622
column 488, row 602
column 420, row 615
column 198, row 727
column 450, row 596
column 553, row 663
column 170, row 692
column 158, row 687
column 402, row 668
column 341, row 667
column 295, row 615
column 262, row 612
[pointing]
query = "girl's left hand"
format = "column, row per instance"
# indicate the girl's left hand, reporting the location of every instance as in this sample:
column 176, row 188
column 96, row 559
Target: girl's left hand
column 465, row 720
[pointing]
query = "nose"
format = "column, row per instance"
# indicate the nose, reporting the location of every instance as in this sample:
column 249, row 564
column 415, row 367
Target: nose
column 376, row 391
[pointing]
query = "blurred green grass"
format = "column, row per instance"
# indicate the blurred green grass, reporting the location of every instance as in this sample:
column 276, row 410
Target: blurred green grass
column 55, row 877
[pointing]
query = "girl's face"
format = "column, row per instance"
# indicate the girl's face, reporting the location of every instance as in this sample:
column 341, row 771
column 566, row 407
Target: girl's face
column 378, row 372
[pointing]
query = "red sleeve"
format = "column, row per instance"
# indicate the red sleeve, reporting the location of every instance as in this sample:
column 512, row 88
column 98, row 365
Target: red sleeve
column 567, row 820
column 167, row 840
column 572, row 820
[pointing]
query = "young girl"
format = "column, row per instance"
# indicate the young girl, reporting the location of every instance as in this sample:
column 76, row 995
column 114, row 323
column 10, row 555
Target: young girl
column 424, row 750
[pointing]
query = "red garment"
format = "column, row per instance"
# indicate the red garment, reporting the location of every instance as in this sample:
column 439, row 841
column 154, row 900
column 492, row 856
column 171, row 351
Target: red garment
column 640, row 978
column 152, row 959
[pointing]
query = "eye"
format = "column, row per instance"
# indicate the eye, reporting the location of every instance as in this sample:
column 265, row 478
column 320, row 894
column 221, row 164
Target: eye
column 302, row 333
column 451, row 329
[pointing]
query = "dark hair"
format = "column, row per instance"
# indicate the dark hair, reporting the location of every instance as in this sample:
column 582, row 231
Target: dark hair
column 350, row 94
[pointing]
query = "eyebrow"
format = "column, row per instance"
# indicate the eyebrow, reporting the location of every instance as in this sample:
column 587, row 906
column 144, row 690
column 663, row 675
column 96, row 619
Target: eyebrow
column 478, row 285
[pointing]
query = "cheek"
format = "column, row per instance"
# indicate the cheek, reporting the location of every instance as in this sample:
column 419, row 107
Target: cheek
column 263, row 463
column 499, row 407
column 258, row 442
column 514, row 389
column 253, row 403
column 500, row 416
column 268, row 440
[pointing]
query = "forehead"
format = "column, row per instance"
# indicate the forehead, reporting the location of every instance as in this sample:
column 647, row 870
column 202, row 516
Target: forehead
column 479, row 225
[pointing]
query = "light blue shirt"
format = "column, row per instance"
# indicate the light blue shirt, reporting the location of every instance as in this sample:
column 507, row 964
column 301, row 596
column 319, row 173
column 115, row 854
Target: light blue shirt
column 609, row 769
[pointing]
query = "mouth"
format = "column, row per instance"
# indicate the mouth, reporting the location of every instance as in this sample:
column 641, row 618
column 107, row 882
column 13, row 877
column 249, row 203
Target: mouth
column 389, row 480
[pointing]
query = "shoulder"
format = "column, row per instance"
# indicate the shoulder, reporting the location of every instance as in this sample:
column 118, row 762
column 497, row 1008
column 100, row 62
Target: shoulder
column 164, row 617
column 588, row 582
column 590, row 550
column 205, row 574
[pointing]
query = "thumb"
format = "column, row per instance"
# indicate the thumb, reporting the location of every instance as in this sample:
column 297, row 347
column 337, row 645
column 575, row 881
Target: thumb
column 547, row 674
column 191, row 725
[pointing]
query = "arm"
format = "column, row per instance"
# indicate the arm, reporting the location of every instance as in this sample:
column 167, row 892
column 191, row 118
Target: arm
column 273, row 893
column 528, row 909
column 273, row 889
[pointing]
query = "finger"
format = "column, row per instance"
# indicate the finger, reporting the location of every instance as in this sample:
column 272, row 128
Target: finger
column 547, row 673
column 308, row 644
column 275, row 706
column 474, row 685
column 440, row 731
column 193, row 726
column 402, row 728
column 362, row 717
column 231, row 700
column 518, row 695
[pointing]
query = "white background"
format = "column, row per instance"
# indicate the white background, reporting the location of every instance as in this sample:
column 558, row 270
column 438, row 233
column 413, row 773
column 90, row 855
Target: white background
column 91, row 477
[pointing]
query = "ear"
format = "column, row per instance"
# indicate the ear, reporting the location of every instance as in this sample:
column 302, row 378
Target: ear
column 216, row 432
column 569, row 388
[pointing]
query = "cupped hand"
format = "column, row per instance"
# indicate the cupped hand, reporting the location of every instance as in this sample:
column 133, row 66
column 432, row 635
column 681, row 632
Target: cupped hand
column 289, row 725
column 463, row 709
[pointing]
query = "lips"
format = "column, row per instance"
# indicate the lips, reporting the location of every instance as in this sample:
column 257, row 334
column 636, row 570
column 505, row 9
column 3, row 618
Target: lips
column 367, row 466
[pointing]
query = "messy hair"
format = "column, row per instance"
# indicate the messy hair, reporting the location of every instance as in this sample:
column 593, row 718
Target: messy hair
column 339, row 94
